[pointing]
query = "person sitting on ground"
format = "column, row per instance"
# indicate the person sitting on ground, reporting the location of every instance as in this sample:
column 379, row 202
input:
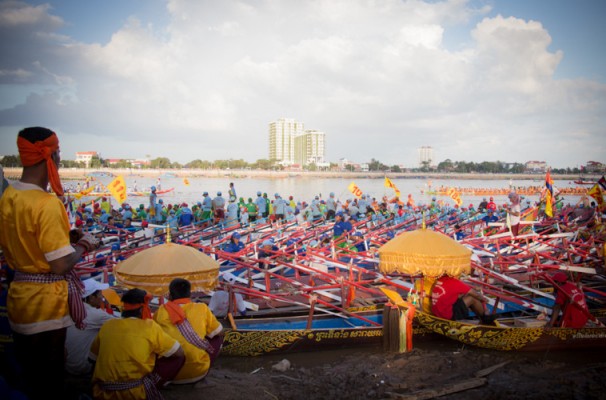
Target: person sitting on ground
column 133, row 355
column 452, row 299
column 194, row 326
column 78, row 341
column 570, row 300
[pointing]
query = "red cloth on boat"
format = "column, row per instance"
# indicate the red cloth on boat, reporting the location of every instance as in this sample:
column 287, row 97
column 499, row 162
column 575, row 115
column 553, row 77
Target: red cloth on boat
column 444, row 294
column 572, row 300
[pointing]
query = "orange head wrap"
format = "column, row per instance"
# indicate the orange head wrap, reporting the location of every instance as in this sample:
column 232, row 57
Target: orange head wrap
column 33, row 153
column 146, row 312
column 175, row 312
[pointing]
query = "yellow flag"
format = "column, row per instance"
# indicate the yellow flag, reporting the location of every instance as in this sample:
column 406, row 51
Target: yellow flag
column 353, row 188
column 117, row 188
column 596, row 193
column 390, row 184
column 452, row 192
column 548, row 201
column 84, row 192
column 185, row 181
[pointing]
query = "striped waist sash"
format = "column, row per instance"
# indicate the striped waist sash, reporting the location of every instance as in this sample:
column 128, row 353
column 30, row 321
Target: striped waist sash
column 75, row 289
column 148, row 381
column 192, row 337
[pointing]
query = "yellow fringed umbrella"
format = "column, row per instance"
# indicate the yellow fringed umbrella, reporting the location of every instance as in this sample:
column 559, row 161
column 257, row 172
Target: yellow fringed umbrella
column 153, row 269
column 425, row 252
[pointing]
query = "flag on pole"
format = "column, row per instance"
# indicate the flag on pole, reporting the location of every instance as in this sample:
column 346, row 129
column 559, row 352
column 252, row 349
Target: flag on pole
column 85, row 192
column 452, row 192
column 355, row 190
column 602, row 182
column 596, row 193
column 548, row 194
column 390, row 184
column 117, row 188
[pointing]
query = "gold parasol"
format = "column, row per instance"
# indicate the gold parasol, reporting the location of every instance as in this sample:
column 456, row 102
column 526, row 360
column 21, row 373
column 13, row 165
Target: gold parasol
column 154, row 268
column 425, row 252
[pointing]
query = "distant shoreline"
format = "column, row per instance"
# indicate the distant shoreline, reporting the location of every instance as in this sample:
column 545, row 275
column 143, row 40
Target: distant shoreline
column 82, row 173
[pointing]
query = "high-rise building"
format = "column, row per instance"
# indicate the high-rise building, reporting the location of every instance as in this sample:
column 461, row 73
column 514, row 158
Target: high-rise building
column 309, row 148
column 425, row 156
column 282, row 135
column 290, row 143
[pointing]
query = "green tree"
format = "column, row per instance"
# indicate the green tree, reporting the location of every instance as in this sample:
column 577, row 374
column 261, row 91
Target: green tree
column 11, row 161
column 160, row 162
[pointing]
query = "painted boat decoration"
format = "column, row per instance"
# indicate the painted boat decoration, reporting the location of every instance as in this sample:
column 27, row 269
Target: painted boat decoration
column 260, row 336
column 509, row 336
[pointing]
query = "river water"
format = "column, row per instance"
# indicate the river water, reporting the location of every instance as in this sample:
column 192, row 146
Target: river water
column 305, row 188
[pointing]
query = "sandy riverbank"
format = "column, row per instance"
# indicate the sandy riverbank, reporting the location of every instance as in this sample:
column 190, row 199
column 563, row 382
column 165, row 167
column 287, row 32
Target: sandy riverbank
column 81, row 173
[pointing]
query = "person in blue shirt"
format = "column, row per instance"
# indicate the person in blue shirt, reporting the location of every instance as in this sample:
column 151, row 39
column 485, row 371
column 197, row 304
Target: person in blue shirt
column 266, row 250
column 279, row 207
column 235, row 244
column 186, row 217
column 490, row 217
column 341, row 227
column 103, row 217
column 232, row 190
column 207, row 207
column 159, row 218
column 231, row 218
column 261, row 206
column 127, row 213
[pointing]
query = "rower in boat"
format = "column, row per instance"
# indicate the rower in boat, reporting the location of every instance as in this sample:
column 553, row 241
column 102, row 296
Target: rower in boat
column 570, row 300
column 452, row 299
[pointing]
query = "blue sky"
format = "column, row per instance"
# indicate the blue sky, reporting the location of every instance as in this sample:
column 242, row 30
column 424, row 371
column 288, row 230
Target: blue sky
column 508, row 80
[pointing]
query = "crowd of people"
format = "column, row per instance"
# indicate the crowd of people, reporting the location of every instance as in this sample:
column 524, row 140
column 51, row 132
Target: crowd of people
column 52, row 312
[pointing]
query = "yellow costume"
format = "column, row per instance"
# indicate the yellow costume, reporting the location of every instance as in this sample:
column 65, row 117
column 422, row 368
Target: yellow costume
column 35, row 230
column 204, row 323
column 125, row 350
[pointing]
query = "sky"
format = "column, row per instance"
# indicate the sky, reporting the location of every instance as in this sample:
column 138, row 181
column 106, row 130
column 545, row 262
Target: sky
column 477, row 80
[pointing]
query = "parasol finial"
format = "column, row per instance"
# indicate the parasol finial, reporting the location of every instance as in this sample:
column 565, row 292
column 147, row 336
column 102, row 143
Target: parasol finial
column 168, row 239
column 423, row 225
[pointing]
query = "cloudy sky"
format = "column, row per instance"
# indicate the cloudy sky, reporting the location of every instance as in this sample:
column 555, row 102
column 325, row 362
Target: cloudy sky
column 477, row 80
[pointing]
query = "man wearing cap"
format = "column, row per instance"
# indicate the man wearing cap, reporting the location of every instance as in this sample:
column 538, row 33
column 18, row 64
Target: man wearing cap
column 235, row 244
column 261, row 206
column 341, row 227
column 36, row 244
column 219, row 208
column 483, row 204
column 159, row 215
column 78, row 341
column 133, row 355
column 252, row 210
column 207, row 207
column 231, row 217
column 266, row 250
column 194, row 326
column 570, row 300
column 279, row 207
column 331, row 206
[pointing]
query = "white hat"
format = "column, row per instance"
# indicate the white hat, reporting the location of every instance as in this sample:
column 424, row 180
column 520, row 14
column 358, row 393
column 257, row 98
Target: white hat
column 91, row 286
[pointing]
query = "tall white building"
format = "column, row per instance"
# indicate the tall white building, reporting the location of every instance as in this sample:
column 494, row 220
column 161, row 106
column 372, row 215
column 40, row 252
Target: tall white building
column 282, row 135
column 309, row 148
column 290, row 143
column 425, row 156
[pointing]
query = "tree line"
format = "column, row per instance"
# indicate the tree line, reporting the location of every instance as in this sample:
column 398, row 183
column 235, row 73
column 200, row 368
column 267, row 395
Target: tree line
column 489, row 167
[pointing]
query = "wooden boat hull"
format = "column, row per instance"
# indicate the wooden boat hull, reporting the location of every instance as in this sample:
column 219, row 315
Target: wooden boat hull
column 260, row 336
column 515, row 338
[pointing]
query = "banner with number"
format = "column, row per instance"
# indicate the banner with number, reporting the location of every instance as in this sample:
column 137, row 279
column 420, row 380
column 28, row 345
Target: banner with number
column 455, row 196
column 117, row 188
column 353, row 188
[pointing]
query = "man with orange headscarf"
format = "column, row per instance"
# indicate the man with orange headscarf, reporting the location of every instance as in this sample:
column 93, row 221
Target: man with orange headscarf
column 133, row 356
column 45, row 294
column 194, row 326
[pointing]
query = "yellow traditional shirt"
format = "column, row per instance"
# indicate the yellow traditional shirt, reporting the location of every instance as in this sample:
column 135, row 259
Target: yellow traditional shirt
column 35, row 230
column 125, row 350
column 202, row 320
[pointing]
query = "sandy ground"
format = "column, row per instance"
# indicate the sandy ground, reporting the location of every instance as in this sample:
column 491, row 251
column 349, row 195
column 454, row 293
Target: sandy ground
column 431, row 369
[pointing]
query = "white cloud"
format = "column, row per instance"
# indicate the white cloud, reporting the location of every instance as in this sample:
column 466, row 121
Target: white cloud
column 374, row 76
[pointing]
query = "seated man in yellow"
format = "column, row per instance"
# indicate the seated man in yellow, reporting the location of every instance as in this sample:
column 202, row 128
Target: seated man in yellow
column 194, row 326
column 134, row 356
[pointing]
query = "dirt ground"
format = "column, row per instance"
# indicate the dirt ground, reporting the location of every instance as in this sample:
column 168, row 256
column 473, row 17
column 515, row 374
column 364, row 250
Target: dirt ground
column 431, row 369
